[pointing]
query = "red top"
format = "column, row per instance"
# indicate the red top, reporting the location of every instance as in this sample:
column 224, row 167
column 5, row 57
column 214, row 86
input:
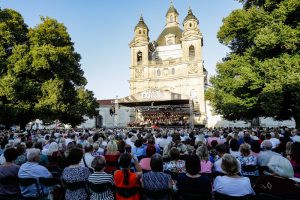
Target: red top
column 111, row 163
column 133, row 182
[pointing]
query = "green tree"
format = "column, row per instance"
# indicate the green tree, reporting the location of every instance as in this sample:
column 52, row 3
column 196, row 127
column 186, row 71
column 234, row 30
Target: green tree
column 44, row 78
column 13, row 32
column 261, row 74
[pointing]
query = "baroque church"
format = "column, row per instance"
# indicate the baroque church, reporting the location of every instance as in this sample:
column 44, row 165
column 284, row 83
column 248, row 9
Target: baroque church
column 169, row 70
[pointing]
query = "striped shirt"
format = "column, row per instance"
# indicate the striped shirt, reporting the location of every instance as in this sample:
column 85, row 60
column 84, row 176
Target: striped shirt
column 98, row 178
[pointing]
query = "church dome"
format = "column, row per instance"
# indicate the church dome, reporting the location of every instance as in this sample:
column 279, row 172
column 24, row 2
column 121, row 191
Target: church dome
column 174, row 30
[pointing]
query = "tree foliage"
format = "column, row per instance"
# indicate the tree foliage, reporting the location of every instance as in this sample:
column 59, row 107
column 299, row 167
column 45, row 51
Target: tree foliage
column 41, row 76
column 261, row 74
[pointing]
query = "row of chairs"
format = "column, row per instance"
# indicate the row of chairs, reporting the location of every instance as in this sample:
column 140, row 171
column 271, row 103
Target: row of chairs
column 25, row 182
column 125, row 192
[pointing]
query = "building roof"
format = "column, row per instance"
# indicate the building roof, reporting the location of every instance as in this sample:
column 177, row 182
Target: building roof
column 106, row 102
column 190, row 16
column 172, row 9
column 175, row 30
column 141, row 24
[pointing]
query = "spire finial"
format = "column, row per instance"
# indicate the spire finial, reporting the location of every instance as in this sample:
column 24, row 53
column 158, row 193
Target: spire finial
column 172, row 3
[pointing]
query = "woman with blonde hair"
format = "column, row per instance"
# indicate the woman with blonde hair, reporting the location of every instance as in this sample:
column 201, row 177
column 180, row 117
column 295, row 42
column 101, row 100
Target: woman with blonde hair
column 111, row 156
column 228, row 184
column 202, row 153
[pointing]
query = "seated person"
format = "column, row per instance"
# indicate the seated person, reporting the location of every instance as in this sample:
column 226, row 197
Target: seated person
column 156, row 179
column 100, row 177
column 278, row 182
column 111, row 156
column 32, row 169
column 229, row 183
column 125, row 179
column 221, row 149
column 246, row 159
column 75, row 173
column 145, row 162
column 192, row 182
column 9, row 169
column 175, row 165
column 206, row 165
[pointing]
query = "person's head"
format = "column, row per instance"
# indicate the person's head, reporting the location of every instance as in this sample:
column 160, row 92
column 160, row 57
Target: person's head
column 75, row 156
column 150, row 151
column 29, row 144
column 98, row 163
column 255, row 146
column 121, row 146
column 156, row 163
column 33, row 155
column 21, row 147
column 38, row 145
column 174, row 153
column 10, row 154
column 295, row 152
column 95, row 146
column 151, row 140
column 234, row 144
column 202, row 152
column 125, row 160
column 230, row 164
column 245, row 149
column 192, row 164
column 88, row 148
column 138, row 143
column 53, row 147
column 266, row 145
column 268, row 136
column 112, row 146
column 281, row 166
column 247, row 139
column 221, row 149
column 213, row 144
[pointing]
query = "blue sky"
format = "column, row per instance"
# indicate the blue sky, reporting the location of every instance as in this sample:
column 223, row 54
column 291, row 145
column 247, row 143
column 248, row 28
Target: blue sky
column 102, row 30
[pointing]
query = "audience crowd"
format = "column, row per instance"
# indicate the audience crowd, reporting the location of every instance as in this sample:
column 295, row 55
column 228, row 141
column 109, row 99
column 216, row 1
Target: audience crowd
column 147, row 163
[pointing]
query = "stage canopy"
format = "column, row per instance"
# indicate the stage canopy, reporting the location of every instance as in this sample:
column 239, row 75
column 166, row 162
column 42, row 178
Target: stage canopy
column 154, row 98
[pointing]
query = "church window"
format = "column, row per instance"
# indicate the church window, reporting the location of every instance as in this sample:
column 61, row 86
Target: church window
column 158, row 72
column 166, row 71
column 144, row 32
column 171, row 19
column 140, row 32
column 190, row 24
column 173, row 71
column 192, row 52
column 139, row 56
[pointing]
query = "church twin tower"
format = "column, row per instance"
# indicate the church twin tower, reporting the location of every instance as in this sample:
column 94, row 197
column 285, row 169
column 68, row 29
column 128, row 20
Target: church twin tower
column 172, row 63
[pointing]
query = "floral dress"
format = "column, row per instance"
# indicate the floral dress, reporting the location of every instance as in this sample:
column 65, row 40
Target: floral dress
column 76, row 174
column 177, row 166
column 248, row 160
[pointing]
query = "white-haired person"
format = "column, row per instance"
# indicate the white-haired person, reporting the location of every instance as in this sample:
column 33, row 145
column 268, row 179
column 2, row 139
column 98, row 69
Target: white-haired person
column 279, row 181
column 232, row 184
column 32, row 169
column 265, row 155
column 100, row 177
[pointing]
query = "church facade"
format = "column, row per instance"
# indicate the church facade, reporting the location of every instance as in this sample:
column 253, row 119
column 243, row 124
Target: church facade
column 171, row 67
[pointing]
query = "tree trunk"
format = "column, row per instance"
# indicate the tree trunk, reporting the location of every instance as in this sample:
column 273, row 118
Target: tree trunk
column 297, row 120
column 22, row 126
